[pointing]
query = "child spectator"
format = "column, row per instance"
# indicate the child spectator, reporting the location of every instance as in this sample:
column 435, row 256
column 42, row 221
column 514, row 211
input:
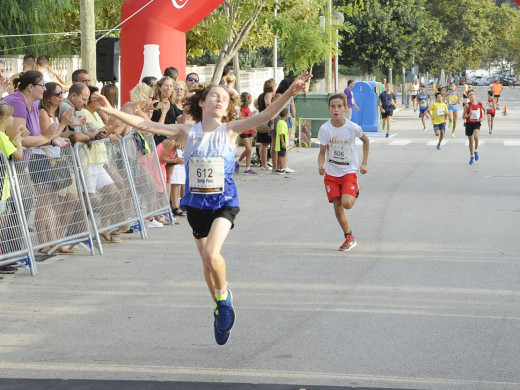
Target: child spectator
column 282, row 137
column 10, row 149
column 7, row 146
column 246, row 136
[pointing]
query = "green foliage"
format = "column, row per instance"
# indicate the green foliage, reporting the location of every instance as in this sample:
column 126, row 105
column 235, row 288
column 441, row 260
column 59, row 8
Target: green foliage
column 32, row 17
column 466, row 31
column 20, row 17
column 388, row 33
column 303, row 41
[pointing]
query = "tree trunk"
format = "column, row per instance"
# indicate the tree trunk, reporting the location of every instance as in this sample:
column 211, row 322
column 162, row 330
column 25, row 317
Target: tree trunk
column 88, row 38
column 234, row 42
column 442, row 78
column 390, row 76
column 236, row 69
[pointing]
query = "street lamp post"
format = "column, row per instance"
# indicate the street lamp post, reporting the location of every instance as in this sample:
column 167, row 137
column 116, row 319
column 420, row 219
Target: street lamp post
column 338, row 19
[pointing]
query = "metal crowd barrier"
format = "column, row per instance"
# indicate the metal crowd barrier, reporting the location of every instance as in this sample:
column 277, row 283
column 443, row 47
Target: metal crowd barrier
column 53, row 207
column 14, row 243
column 56, row 197
column 107, row 187
column 147, row 178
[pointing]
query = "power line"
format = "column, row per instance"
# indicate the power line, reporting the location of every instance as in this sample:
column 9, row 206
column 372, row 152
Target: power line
column 57, row 33
column 41, row 44
column 124, row 21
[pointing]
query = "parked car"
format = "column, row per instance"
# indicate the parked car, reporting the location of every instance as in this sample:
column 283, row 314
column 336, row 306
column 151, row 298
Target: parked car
column 471, row 80
column 507, row 81
column 483, row 81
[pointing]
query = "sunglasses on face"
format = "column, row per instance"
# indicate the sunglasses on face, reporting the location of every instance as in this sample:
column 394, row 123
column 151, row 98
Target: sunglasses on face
column 58, row 94
column 193, row 79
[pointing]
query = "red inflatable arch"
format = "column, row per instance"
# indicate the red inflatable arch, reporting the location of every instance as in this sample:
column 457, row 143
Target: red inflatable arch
column 162, row 27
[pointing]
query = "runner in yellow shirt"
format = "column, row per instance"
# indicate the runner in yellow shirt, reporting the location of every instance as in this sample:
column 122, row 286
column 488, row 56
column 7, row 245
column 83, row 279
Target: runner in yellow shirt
column 439, row 113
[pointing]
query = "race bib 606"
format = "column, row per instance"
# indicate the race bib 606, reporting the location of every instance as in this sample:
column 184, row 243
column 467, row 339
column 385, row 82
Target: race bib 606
column 340, row 154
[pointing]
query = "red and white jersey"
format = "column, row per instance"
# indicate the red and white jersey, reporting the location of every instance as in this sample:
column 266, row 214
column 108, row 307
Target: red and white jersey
column 475, row 112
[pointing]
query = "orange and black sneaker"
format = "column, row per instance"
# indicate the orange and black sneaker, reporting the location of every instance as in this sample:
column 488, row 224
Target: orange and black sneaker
column 350, row 242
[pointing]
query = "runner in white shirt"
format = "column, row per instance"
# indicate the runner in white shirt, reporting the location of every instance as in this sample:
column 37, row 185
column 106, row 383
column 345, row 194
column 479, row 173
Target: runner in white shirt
column 338, row 161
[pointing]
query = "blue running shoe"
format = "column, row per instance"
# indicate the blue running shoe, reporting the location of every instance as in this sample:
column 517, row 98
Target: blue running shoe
column 471, row 160
column 438, row 146
column 225, row 314
column 476, row 156
column 237, row 167
column 220, row 338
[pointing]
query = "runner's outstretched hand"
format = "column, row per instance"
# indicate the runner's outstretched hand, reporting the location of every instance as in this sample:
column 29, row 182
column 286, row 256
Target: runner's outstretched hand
column 300, row 84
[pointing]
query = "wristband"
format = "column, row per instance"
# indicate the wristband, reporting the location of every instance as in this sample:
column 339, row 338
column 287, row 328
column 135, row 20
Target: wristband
column 70, row 127
column 52, row 141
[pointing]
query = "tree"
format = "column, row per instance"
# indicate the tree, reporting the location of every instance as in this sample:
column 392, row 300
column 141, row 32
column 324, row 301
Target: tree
column 24, row 17
column 19, row 17
column 388, row 33
column 251, row 26
column 225, row 30
column 505, row 47
column 466, row 30
column 304, row 41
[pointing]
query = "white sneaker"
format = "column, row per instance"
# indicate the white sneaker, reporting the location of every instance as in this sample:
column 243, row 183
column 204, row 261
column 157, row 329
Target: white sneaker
column 289, row 170
column 154, row 224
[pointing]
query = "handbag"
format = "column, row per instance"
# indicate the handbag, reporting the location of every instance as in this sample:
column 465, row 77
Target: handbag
column 263, row 128
column 60, row 172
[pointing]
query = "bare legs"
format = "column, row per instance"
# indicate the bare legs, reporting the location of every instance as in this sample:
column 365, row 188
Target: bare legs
column 263, row 155
column 212, row 260
column 340, row 204
column 247, row 152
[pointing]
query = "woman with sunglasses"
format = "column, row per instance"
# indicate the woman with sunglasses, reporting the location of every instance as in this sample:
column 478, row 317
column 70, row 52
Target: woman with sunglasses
column 58, row 216
column 30, row 88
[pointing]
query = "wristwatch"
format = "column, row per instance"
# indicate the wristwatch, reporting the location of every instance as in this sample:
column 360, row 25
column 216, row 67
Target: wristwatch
column 70, row 127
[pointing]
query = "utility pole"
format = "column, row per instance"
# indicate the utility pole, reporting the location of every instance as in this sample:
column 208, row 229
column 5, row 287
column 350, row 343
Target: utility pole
column 275, row 50
column 328, row 63
column 88, row 38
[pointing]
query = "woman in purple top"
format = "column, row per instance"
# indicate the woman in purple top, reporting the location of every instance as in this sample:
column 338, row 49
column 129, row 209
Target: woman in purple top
column 30, row 87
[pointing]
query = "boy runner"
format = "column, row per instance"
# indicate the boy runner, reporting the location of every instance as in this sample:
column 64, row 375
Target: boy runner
column 423, row 100
column 491, row 107
column 388, row 102
column 474, row 115
column 339, row 162
column 439, row 113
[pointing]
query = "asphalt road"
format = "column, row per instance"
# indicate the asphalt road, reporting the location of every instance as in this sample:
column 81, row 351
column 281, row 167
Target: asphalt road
column 429, row 298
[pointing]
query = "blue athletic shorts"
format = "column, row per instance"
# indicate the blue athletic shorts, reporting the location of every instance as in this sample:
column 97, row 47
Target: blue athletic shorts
column 453, row 109
column 422, row 110
column 440, row 127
